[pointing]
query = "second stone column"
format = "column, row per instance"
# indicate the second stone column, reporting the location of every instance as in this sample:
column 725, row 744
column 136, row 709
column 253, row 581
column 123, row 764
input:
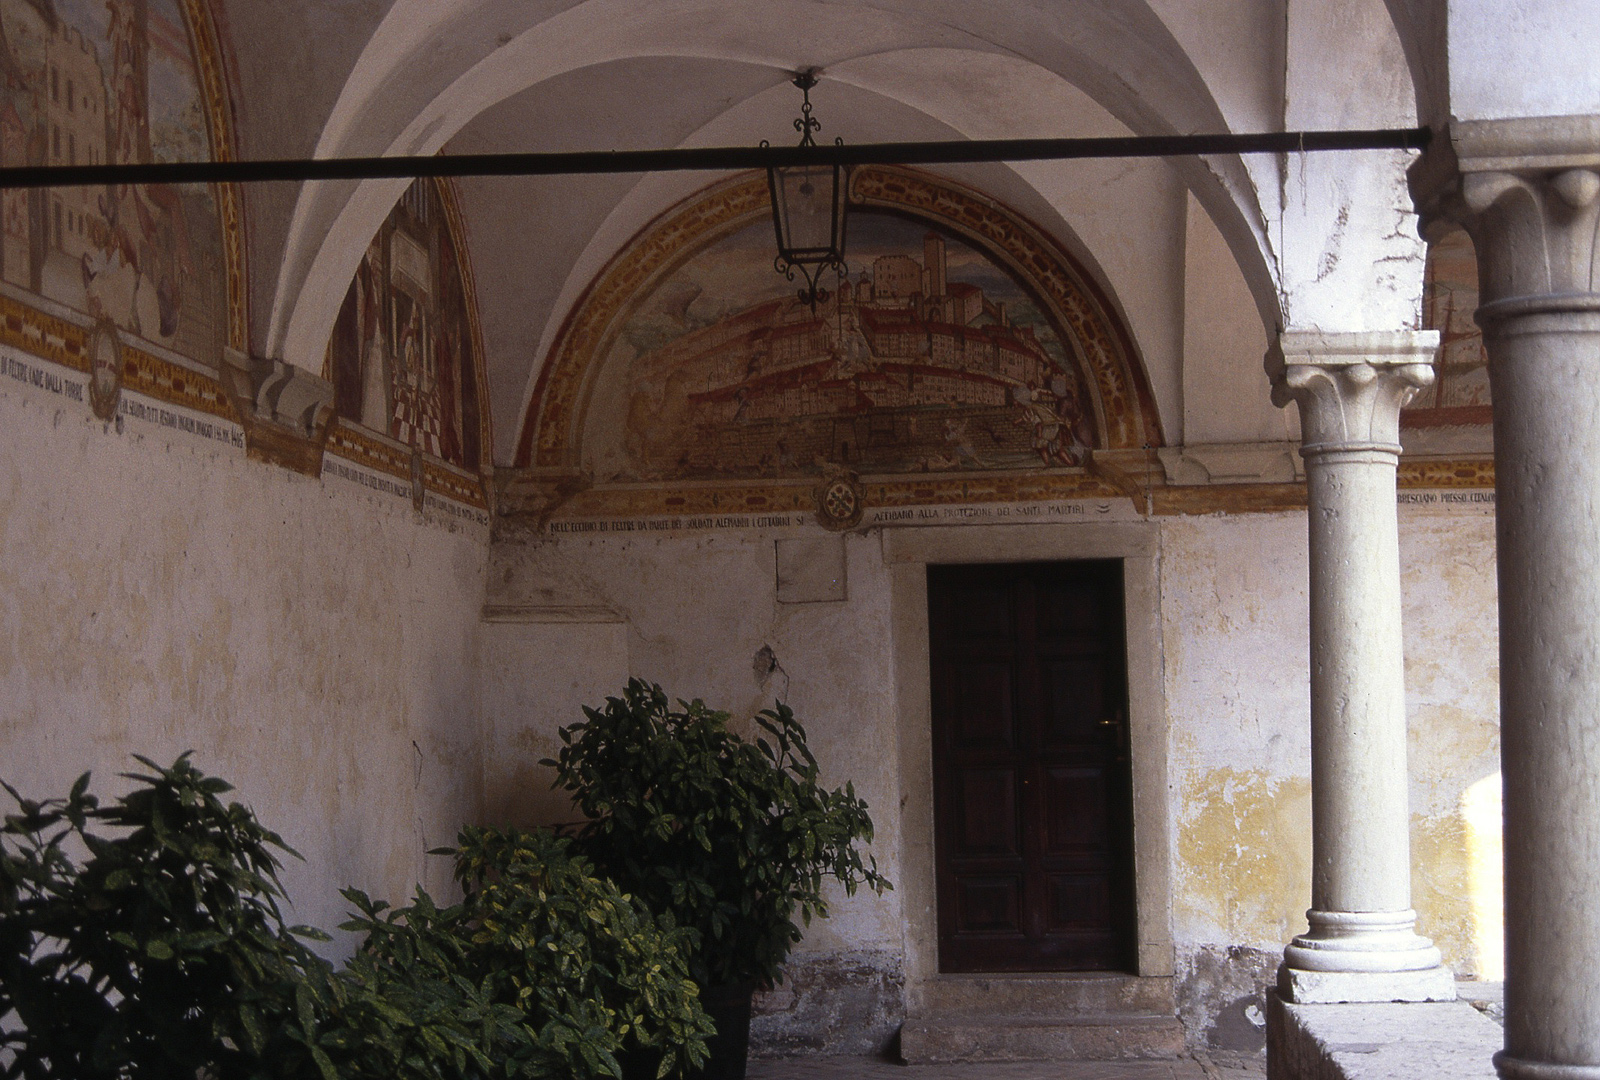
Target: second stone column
column 1361, row 945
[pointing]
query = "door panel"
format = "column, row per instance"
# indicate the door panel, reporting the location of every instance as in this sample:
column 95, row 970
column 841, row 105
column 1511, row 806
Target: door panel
column 984, row 708
column 1033, row 834
column 1076, row 804
column 1074, row 700
column 989, row 812
column 991, row 904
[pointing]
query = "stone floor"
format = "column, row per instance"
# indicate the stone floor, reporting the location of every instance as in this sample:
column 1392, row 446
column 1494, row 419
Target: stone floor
column 834, row 1068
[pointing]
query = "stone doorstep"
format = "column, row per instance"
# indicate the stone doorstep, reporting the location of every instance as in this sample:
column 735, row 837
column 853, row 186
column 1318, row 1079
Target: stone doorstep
column 1024, row 1038
column 1094, row 1017
column 1062, row 995
column 1383, row 1041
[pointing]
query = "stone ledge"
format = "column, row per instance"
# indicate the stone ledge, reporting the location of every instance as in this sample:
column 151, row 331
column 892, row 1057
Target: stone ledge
column 1345, row 987
column 1111, row 1037
column 1388, row 1041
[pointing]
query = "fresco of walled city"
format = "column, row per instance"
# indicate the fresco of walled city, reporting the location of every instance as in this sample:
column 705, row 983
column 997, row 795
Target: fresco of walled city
column 928, row 358
column 90, row 82
column 402, row 357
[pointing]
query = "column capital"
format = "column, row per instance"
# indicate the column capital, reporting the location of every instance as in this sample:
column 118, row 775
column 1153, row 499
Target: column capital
column 1528, row 192
column 1350, row 386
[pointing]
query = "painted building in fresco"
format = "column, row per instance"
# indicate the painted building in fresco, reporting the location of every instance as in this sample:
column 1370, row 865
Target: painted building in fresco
column 88, row 82
column 908, row 365
column 403, row 356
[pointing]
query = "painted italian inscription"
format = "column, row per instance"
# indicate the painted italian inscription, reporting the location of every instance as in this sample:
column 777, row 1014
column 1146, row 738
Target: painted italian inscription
column 927, row 356
column 88, row 82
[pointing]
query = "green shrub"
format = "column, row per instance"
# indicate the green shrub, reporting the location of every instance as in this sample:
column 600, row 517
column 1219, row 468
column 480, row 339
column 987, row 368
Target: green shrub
column 155, row 950
column 158, row 950
column 558, row 970
column 732, row 838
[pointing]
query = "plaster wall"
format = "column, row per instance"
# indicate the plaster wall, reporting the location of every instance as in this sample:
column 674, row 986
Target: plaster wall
column 1227, row 670
column 1226, row 395
column 1522, row 58
column 314, row 646
column 1447, row 566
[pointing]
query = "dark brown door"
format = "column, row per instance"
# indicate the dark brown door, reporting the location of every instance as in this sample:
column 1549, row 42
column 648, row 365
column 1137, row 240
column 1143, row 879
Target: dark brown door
column 1033, row 831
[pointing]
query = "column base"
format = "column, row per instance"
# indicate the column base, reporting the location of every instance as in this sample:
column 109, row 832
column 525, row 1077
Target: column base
column 1511, row 1068
column 1361, row 941
column 1340, row 987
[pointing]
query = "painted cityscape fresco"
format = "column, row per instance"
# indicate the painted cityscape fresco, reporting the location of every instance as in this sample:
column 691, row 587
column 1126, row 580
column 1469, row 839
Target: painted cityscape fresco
column 1460, row 393
column 401, row 355
column 929, row 357
column 96, row 81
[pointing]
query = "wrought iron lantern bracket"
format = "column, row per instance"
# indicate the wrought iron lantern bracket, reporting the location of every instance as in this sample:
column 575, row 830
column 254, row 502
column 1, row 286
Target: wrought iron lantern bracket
column 808, row 208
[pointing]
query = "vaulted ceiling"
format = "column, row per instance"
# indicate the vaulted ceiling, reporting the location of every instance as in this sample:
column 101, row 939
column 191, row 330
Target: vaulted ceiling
column 473, row 76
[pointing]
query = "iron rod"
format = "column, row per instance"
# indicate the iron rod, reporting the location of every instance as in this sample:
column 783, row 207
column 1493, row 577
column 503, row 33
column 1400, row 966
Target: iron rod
column 717, row 158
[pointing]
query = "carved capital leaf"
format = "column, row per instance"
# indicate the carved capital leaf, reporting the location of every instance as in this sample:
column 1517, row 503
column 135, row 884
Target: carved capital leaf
column 1528, row 192
column 1350, row 387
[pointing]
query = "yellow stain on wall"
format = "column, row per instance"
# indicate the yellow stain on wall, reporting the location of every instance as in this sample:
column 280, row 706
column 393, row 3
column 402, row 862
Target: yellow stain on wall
column 1440, row 889
column 1244, row 856
column 1480, row 812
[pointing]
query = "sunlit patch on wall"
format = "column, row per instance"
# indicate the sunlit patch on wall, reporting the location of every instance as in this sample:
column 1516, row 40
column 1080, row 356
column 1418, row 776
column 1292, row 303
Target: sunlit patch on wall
column 1480, row 809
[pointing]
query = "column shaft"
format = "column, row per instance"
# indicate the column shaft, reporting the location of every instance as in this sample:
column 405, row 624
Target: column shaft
column 1361, row 857
column 1545, row 371
column 1528, row 190
column 1361, row 945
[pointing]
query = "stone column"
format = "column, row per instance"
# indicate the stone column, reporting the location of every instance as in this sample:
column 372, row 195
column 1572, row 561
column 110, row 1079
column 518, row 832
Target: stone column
column 1361, row 945
column 1529, row 193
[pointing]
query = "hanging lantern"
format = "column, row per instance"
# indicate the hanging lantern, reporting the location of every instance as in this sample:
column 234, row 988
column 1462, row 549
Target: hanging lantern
column 808, row 209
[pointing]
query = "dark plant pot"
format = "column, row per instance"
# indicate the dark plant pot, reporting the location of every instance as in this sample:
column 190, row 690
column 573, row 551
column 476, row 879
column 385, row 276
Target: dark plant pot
column 729, row 1009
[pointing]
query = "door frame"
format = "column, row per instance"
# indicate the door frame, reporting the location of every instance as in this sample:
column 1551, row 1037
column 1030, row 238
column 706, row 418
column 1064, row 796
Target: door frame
column 908, row 552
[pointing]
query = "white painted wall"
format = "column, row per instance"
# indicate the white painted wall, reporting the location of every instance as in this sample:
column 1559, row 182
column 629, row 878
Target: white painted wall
column 313, row 646
column 1235, row 646
column 698, row 608
column 1514, row 58
column 325, row 650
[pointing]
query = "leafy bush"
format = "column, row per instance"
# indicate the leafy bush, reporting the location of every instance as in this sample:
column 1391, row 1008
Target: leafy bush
column 732, row 838
column 160, row 951
column 557, row 969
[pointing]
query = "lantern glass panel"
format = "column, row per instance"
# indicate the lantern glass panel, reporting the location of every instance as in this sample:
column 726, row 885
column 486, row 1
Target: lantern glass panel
column 806, row 205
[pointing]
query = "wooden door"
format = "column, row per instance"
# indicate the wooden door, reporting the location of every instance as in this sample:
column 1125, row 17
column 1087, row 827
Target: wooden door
column 1032, row 791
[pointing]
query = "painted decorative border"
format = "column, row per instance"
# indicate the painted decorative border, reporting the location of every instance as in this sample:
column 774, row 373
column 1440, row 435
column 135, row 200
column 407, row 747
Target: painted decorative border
column 981, row 488
column 1470, row 473
column 166, row 381
column 45, row 336
column 645, row 500
column 450, row 197
column 880, row 493
column 214, row 87
column 552, row 426
column 356, row 444
column 67, row 343
column 441, row 479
